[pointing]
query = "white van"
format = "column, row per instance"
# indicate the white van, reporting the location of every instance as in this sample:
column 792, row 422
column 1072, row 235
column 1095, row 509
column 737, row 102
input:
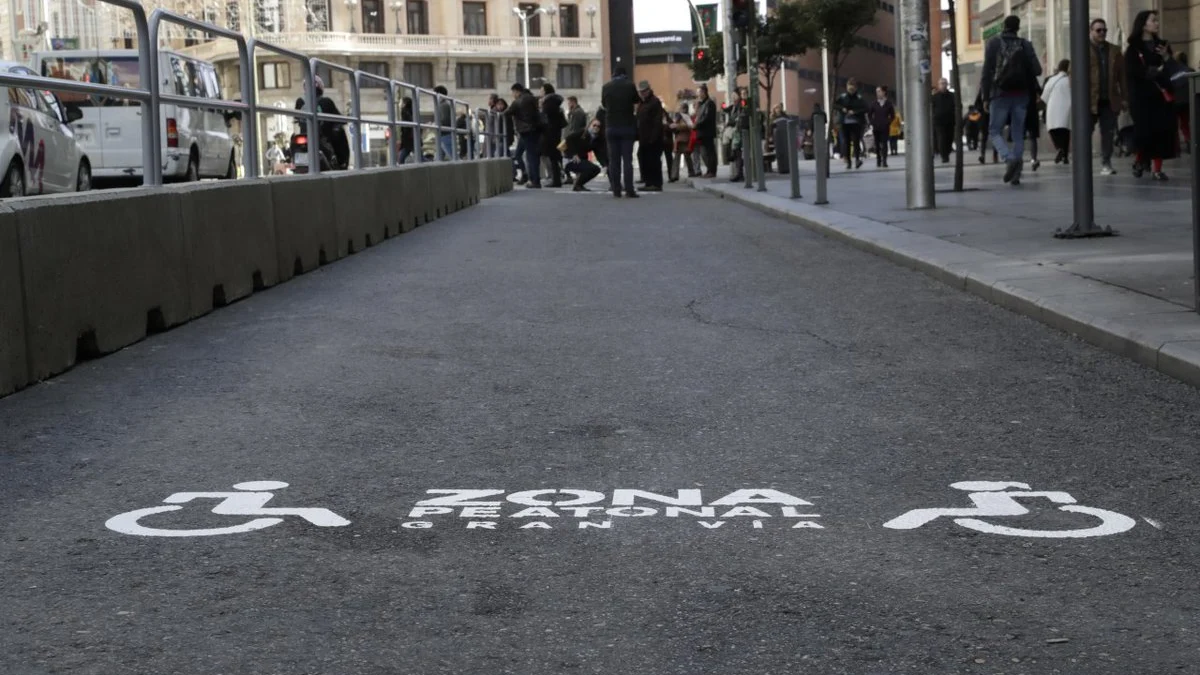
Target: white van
column 196, row 142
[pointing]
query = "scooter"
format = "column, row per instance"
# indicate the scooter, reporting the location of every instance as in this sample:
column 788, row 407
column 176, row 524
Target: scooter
column 300, row 154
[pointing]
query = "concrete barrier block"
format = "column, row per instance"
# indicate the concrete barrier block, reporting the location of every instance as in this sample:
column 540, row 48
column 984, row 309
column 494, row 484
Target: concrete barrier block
column 14, row 357
column 440, row 190
column 305, row 230
column 228, row 241
column 395, row 196
column 100, row 271
column 418, row 195
column 356, row 210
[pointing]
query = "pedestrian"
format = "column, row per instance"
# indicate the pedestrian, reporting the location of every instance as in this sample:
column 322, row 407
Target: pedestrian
column 576, row 116
column 1108, row 89
column 275, row 159
column 528, row 124
column 445, row 123
column 944, row 116
column 668, row 147
column 407, row 140
column 619, row 96
column 852, row 111
column 578, row 145
column 895, row 131
column 1033, row 129
column 650, row 137
column 1155, row 133
column 681, row 129
column 973, row 127
column 460, row 122
column 1010, row 71
column 554, row 121
column 738, row 119
column 706, row 132
column 881, row 114
column 1056, row 92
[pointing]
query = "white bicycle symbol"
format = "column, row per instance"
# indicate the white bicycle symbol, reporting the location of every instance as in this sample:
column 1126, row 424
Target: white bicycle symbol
column 249, row 502
column 992, row 499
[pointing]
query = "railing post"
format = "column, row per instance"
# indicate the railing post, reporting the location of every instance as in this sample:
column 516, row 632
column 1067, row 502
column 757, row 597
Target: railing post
column 821, row 145
column 438, row 154
column 152, row 157
column 249, row 123
column 1194, row 114
column 392, row 136
column 793, row 156
column 418, row 145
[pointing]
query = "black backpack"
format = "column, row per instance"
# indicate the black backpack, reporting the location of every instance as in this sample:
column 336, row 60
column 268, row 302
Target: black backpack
column 1012, row 66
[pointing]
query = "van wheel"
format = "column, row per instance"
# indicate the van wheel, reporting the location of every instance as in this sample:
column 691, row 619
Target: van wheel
column 232, row 172
column 193, row 169
column 83, row 181
column 14, row 182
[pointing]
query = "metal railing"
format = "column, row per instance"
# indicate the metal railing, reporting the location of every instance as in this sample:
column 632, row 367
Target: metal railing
column 489, row 124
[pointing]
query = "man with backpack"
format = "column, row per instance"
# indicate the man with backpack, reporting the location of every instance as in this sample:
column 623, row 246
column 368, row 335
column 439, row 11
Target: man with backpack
column 1010, row 72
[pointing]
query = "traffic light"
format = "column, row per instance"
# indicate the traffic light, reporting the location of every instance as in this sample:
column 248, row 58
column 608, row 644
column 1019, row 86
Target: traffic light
column 699, row 56
column 742, row 12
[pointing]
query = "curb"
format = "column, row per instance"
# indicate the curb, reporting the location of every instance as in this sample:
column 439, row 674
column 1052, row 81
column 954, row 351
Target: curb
column 1155, row 333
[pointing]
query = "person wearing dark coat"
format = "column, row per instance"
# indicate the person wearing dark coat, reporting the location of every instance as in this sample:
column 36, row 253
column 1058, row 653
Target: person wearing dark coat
column 524, row 117
column 579, row 144
column 706, row 132
column 555, row 121
column 650, row 137
column 408, row 134
column 1155, row 134
column 852, row 112
column 880, row 114
column 619, row 97
column 944, row 116
column 1033, row 129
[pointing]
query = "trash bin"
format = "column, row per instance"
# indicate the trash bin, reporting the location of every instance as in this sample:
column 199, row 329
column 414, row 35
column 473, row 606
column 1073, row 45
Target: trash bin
column 781, row 144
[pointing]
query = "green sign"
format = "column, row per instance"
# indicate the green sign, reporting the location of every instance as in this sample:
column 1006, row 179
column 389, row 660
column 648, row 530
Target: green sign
column 993, row 30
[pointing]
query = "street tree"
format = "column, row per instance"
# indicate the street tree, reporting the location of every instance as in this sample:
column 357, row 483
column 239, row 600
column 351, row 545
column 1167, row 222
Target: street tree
column 837, row 23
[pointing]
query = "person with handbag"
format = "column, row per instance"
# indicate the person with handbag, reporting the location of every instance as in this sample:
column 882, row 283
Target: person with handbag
column 1155, row 133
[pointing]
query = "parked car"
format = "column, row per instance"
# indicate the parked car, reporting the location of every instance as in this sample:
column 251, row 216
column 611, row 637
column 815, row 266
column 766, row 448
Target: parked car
column 39, row 151
column 196, row 142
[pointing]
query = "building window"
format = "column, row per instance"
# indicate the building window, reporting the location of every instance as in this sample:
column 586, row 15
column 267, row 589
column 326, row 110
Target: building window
column 233, row 15
column 379, row 68
column 474, row 18
column 418, row 17
column 316, row 15
column 276, row 75
column 976, row 24
column 268, row 16
column 537, row 74
column 419, row 74
column 570, row 76
column 476, row 76
column 535, row 20
column 569, row 20
column 372, row 16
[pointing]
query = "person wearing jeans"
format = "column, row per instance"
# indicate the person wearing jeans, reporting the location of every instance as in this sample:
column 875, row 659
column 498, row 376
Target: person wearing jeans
column 1010, row 72
column 618, row 97
column 527, row 121
column 1107, row 84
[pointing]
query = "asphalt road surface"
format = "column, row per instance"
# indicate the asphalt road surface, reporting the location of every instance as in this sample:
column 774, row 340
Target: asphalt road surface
column 563, row 433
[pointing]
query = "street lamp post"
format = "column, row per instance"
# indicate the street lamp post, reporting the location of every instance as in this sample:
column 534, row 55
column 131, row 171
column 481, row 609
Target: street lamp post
column 552, row 11
column 397, row 7
column 350, row 5
column 591, row 12
column 525, row 17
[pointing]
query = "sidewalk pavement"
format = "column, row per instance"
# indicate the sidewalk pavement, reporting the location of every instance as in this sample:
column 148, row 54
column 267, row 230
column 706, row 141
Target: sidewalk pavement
column 1131, row 294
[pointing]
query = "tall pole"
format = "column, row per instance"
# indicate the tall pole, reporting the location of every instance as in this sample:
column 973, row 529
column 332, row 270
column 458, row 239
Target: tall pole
column 914, row 19
column 525, row 30
column 825, row 77
column 1081, row 118
column 728, row 40
column 752, row 81
column 956, row 82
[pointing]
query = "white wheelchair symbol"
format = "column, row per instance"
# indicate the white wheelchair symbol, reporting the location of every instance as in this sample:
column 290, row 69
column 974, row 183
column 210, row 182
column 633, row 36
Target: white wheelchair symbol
column 249, row 502
column 992, row 498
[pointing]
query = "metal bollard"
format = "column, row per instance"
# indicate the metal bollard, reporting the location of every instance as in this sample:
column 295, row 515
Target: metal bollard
column 747, row 157
column 822, row 148
column 1194, row 92
column 793, row 156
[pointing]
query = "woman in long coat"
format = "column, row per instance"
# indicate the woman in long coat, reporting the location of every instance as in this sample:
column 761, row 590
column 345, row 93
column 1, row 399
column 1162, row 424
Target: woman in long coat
column 1057, row 95
column 1155, row 134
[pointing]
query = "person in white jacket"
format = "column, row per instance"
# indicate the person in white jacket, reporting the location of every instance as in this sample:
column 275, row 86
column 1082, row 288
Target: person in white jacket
column 1056, row 92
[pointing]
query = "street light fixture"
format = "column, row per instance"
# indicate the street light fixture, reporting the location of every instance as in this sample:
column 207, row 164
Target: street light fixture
column 397, row 7
column 525, row 17
column 552, row 11
column 350, row 5
column 591, row 12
